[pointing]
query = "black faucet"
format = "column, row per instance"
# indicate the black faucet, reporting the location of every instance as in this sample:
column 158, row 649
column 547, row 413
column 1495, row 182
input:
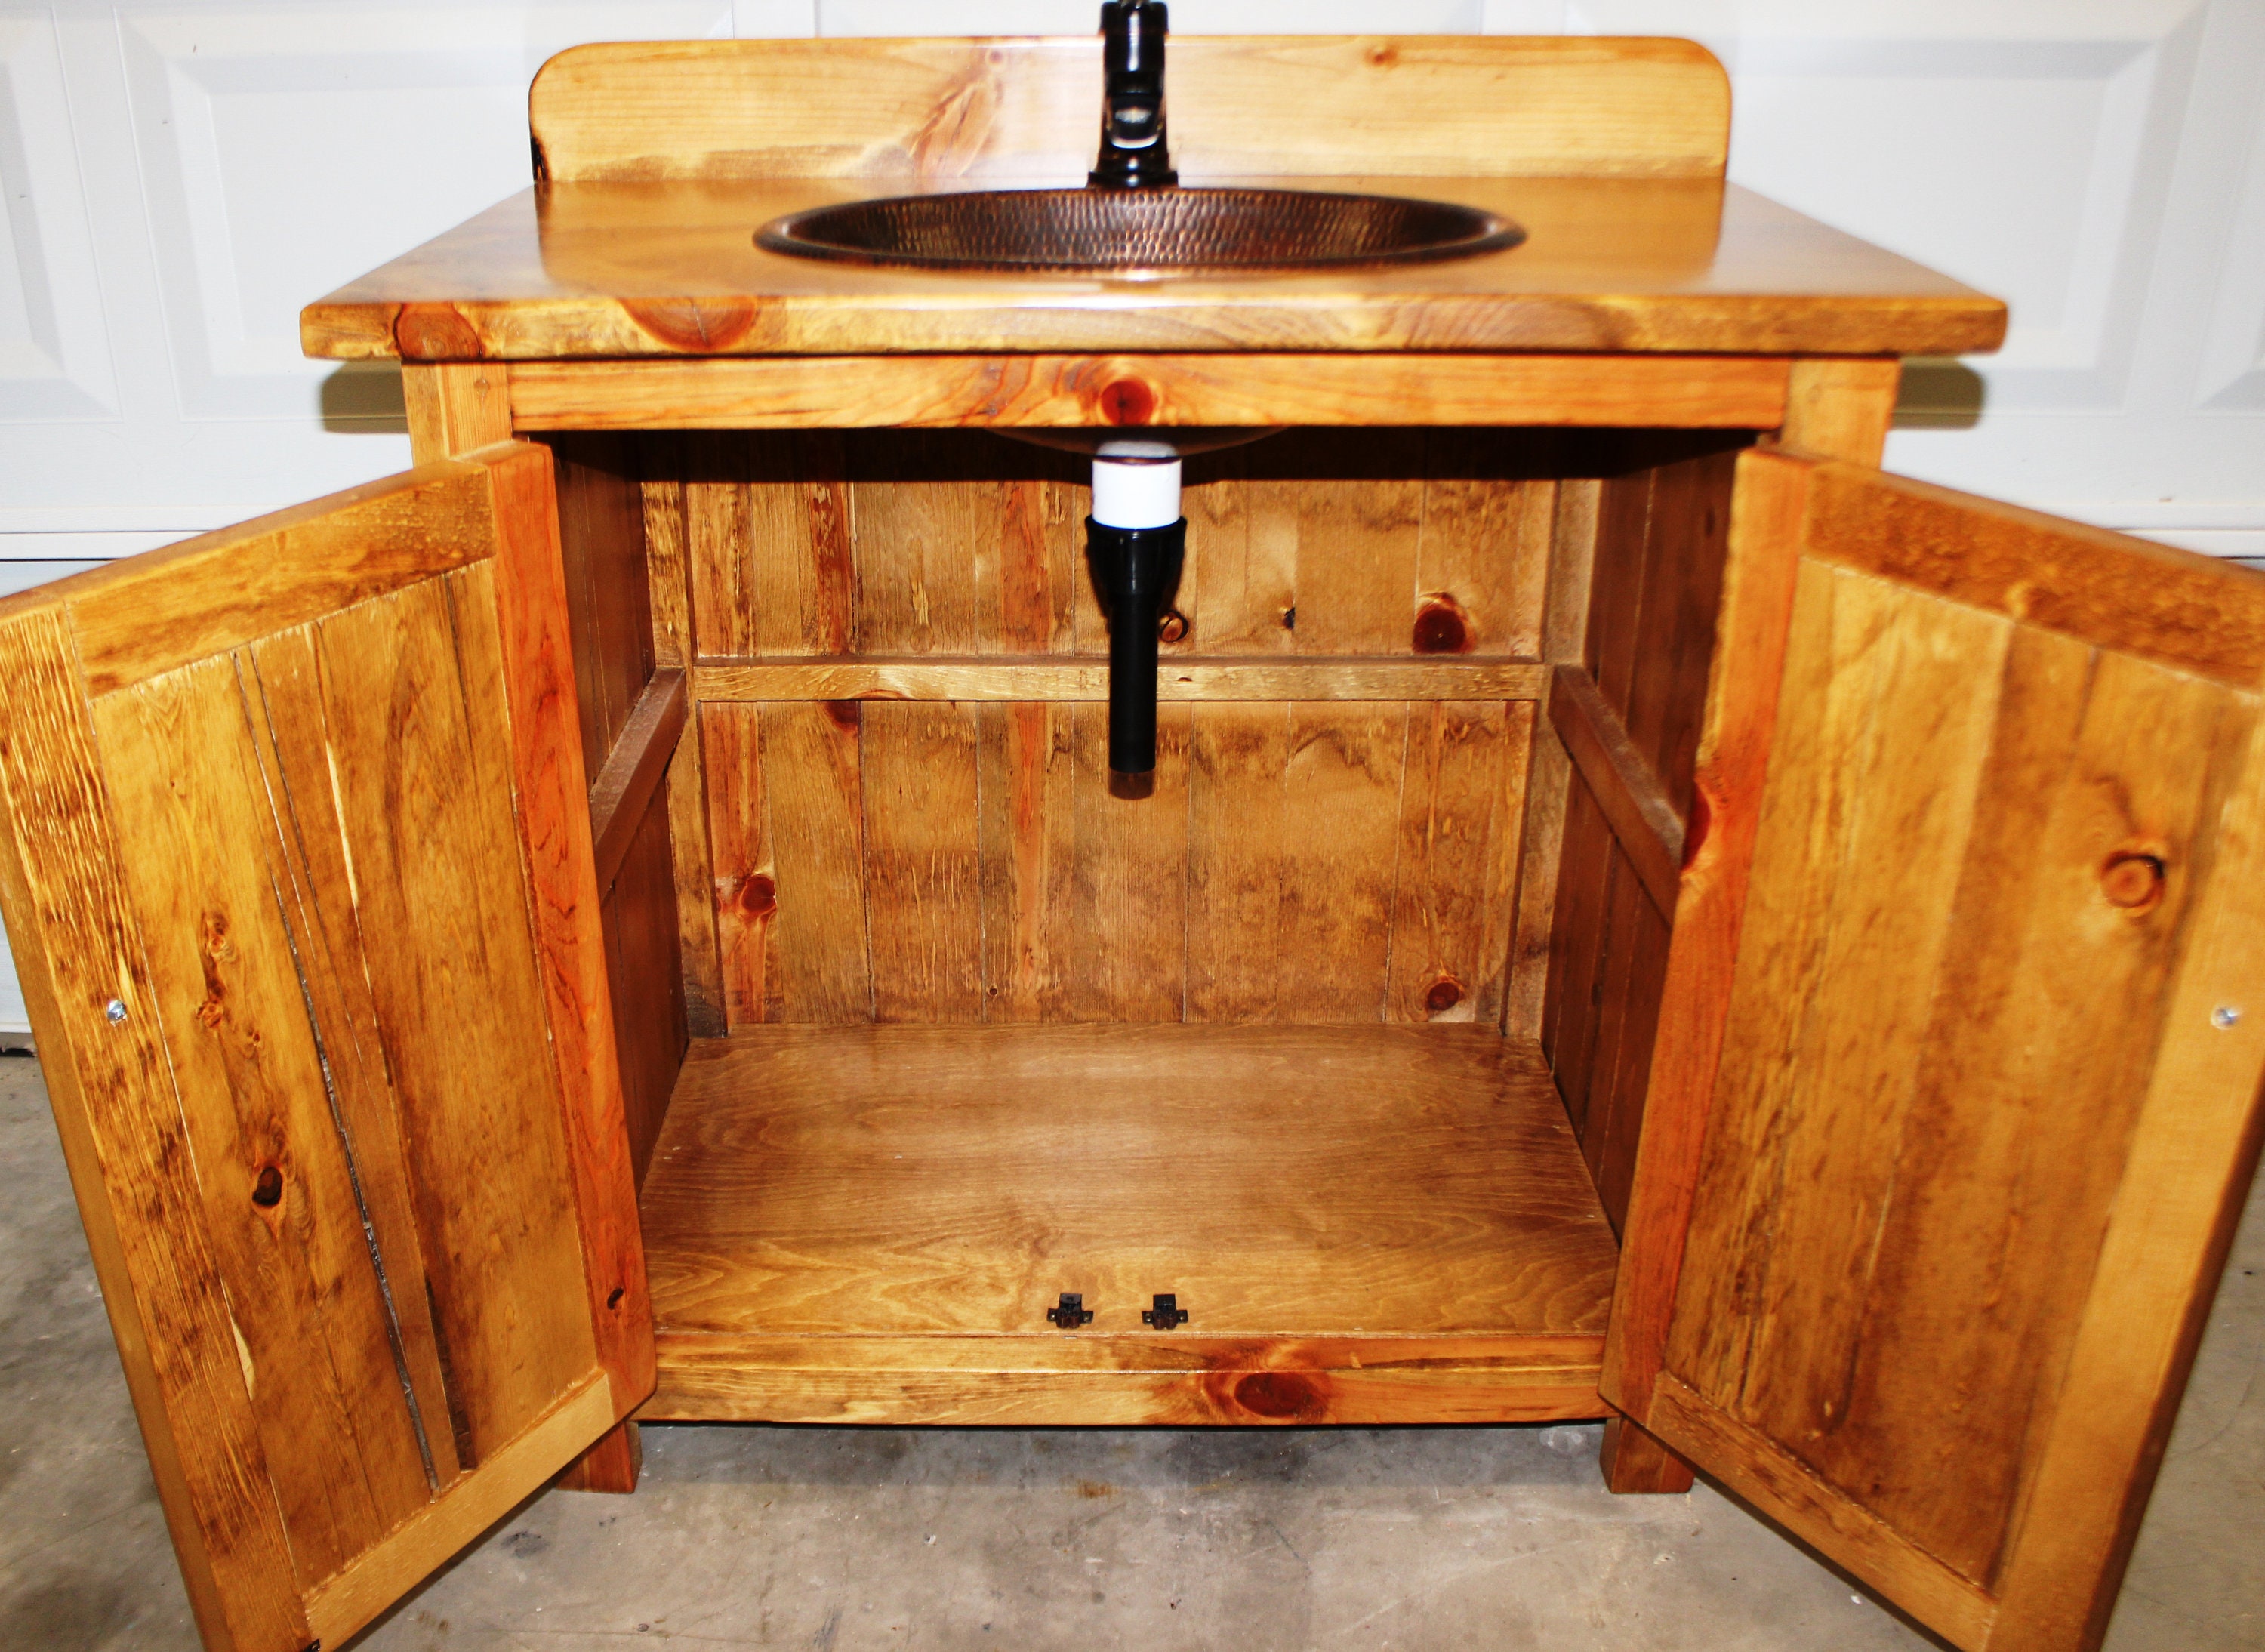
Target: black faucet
column 1133, row 153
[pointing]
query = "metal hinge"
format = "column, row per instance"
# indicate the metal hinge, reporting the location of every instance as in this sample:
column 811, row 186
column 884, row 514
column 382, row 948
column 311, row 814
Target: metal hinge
column 1166, row 1314
column 1070, row 1311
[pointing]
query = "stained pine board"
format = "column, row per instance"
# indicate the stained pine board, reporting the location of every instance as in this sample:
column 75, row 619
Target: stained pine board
column 1283, row 1182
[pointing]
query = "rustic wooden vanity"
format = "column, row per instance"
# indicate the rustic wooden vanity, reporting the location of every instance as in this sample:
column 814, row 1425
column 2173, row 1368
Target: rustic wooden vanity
column 1640, row 914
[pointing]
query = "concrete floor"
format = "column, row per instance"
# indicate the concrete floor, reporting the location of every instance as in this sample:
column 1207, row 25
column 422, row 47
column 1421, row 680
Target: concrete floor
column 847, row 1539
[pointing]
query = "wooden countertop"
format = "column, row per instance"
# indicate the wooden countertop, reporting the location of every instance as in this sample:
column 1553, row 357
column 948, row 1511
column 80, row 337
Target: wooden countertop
column 594, row 270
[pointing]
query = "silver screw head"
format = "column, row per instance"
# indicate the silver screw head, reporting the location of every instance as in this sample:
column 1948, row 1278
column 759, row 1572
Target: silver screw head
column 2224, row 1015
column 115, row 1010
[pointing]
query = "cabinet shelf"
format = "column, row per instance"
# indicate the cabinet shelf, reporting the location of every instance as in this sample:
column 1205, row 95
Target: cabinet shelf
column 868, row 1224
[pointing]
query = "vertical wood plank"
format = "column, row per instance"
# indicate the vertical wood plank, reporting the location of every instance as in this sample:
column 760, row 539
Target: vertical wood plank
column 1736, row 738
column 120, row 1125
column 455, row 407
column 649, row 1011
column 1359, row 516
column 923, row 875
column 1564, row 634
column 720, row 542
column 675, row 648
column 1029, row 608
column 1239, row 839
column 531, row 640
column 929, row 528
column 1026, row 767
column 1577, row 943
column 1483, row 551
column 811, row 813
column 1128, row 939
column 228, row 974
column 1345, row 767
column 797, row 567
column 463, row 1022
column 744, row 880
column 1840, row 407
column 1452, row 905
column 1242, row 577
column 281, row 683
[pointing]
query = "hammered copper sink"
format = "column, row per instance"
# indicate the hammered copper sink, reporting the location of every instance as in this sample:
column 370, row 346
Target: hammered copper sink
column 1140, row 231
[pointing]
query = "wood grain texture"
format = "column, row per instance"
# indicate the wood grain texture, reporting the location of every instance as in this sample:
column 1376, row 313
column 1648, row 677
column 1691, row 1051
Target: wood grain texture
column 669, row 567
column 1974, row 833
column 614, row 1465
column 352, row 1601
column 1023, row 108
column 455, row 407
column 965, row 862
column 1040, row 391
column 1635, row 1462
column 78, row 937
column 534, row 656
column 1060, row 681
column 601, row 543
column 1840, row 407
column 1629, row 717
column 1564, row 632
column 637, row 916
column 345, row 1254
column 597, row 271
column 1120, row 1382
column 1783, row 1488
column 2177, row 607
column 1769, row 508
column 1629, row 793
column 963, row 1228
column 625, row 786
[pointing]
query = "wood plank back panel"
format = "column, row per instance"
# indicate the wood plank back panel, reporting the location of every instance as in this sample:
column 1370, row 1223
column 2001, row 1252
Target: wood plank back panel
column 959, row 544
column 965, row 862
column 2002, row 848
column 966, row 835
column 1024, row 108
column 348, row 1214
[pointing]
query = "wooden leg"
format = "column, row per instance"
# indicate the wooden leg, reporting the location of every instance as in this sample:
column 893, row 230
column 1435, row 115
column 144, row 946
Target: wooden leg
column 611, row 1464
column 1634, row 1461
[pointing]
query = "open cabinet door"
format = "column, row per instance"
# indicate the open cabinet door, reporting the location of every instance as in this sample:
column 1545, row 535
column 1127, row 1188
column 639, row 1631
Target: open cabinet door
column 297, row 868
column 1955, row 1102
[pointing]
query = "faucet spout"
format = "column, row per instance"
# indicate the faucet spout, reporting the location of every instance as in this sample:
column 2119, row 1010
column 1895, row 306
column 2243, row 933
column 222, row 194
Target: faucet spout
column 1133, row 154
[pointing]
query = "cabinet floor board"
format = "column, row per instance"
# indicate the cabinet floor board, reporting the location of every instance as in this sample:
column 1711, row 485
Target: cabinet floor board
column 1372, row 1224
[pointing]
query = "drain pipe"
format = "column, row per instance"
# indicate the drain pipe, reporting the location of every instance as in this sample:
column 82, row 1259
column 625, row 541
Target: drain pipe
column 1135, row 538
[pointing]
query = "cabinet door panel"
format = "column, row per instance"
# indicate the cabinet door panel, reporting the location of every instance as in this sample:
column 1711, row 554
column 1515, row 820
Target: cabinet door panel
column 309, row 926
column 1919, row 1264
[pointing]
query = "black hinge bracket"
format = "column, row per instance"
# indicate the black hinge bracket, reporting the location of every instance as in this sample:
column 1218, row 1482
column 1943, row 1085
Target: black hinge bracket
column 1166, row 1314
column 1070, row 1311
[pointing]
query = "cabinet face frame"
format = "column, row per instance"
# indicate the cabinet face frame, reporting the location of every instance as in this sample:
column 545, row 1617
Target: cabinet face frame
column 2146, row 1205
column 287, row 694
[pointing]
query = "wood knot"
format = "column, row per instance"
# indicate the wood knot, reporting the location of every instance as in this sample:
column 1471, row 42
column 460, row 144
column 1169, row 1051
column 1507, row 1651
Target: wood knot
column 1383, row 56
column 435, row 332
column 1441, row 626
column 758, row 897
column 844, row 714
column 267, row 1187
column 1171, row 626
column 1281, row 1396
column 1127, row 402
column 697, row 327
column 2133, row 880
column 1445, row 995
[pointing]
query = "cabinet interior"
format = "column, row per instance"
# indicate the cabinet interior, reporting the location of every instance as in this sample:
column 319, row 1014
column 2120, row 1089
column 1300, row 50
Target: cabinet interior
column 921, row 1027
